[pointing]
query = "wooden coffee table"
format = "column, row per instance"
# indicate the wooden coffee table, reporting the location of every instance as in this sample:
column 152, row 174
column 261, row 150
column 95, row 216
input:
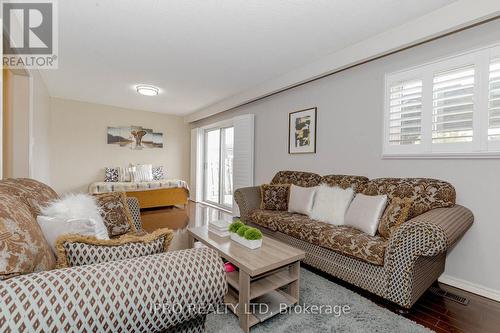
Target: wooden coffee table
column 262, row 273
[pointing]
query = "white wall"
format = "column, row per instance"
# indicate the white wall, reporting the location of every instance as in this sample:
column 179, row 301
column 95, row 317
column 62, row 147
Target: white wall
column 79, row 152
column 349, row 140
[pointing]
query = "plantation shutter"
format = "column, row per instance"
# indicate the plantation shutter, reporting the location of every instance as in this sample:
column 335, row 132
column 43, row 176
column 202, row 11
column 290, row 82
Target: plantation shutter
column 453, row 105
column 494, row 101
column 243, row 160
column 405, row 113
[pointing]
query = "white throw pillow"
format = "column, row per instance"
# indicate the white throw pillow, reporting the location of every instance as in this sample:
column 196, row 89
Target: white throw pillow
column 143, row 173
column 330, row 204
column 74, row 206
column 301, row 199
column 365, row 211
column 53, row 227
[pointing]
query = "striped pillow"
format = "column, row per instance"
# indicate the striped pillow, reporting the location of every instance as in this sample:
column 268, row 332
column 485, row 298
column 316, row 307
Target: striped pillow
column 125, row 174
column 143, row 173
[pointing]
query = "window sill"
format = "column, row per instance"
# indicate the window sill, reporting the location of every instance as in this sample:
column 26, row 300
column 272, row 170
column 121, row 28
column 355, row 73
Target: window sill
column 430, row 156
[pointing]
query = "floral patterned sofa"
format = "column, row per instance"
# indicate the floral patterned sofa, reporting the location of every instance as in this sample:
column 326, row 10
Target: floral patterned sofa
column 169, row 292
column 399, row 268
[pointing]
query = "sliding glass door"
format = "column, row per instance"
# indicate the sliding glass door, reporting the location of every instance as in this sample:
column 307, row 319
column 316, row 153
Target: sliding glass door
column 218, row 166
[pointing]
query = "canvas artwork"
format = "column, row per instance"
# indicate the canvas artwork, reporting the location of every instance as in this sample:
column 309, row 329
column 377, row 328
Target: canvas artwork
column 135, row 137
column 302, row 131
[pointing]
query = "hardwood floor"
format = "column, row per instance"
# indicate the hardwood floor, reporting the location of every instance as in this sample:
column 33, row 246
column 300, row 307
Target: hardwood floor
column 437, row 313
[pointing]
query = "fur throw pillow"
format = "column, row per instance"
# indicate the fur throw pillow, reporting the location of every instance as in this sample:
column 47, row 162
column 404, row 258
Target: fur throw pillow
column 74, row 206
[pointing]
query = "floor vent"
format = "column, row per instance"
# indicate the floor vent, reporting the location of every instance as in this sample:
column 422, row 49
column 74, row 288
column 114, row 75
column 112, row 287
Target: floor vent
column 451, row 296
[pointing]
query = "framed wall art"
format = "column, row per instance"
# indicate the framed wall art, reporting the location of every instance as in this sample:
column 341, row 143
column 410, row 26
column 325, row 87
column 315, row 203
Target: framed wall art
column 302, row 131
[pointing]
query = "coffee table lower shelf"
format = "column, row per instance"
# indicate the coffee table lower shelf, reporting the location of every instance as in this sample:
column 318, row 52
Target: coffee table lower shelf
column 275, row 301
column 258, row 298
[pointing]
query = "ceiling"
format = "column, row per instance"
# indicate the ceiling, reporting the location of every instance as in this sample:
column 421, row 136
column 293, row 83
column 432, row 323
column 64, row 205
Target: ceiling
column 200, row 52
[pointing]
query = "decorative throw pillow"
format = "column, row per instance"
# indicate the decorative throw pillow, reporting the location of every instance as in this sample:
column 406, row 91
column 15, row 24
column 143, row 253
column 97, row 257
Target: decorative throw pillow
column 115, row 213
column 53, row 227
column 274, row 197
column 330, row 204
column 158, row 173
column 365, row 211
column 394, row 215
column 142, row 173
column 77, row 250
column 301, row 199
column 125, row 174
column 111, row 175
column 73, row 206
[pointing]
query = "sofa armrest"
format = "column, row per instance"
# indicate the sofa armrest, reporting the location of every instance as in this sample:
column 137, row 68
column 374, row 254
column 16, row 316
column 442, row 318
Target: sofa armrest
column 146, row 294
column 248, row 199
column 428, row 234
column 431, row 233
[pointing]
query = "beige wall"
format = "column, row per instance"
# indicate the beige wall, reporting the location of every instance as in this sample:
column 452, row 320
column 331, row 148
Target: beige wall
column 79, row 152
column 16, row 125
column 349, row 141
column 40, row 131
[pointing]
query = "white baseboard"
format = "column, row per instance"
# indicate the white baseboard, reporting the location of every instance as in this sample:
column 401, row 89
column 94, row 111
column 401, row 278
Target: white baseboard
column 470, row 287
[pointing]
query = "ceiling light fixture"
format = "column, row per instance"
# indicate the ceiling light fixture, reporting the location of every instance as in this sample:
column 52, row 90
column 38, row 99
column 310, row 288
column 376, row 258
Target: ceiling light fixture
column 147, row 90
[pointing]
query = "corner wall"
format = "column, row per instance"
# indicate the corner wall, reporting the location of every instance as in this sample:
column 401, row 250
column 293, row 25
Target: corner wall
column 349, row 141
column 79, row 151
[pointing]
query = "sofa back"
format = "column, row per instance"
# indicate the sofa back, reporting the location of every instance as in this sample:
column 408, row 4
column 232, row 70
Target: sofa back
column 426, row 193
column 345, row 181
column 309, row 179
column 299, row 178
column 24, row 248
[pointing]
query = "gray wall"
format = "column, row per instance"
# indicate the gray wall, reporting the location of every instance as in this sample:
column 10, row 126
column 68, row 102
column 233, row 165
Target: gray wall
column 350, row 117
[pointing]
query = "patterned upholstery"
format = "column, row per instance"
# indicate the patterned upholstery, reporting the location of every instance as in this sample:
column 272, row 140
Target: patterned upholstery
column 123, row 296
column 22, row 244
column 79, row 254
column 115, row 213
column 425, row 193
column 345, row 181
column 399, row 268
column 299, row 178
column 394, row 215
column 343, row 239
column 132, row 295
column 274, row 197
column 75, row 250
column 354, row 243
column 135, row 211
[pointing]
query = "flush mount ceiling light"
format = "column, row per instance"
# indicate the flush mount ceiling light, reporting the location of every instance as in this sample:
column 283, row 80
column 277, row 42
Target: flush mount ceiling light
column 147, row 90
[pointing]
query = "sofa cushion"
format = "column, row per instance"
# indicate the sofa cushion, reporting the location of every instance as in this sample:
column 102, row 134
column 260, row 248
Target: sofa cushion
column 299, row 178
column 345, row 181
column 343, row 239
column 354, row 243
column 22, row 244
column 295, row 225
column 425, row 193
column 268, row 218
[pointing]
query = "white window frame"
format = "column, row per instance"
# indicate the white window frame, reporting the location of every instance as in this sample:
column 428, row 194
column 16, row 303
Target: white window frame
column 480, row 147
column 243, row 158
